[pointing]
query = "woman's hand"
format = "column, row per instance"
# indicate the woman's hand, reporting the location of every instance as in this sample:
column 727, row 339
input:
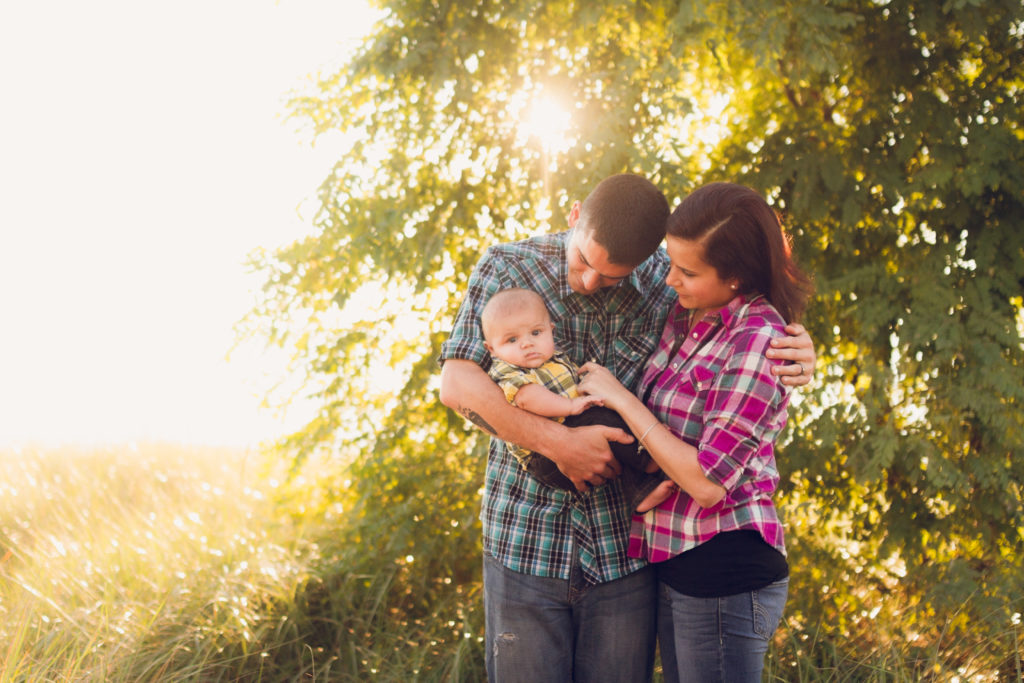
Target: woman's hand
column 597, row 380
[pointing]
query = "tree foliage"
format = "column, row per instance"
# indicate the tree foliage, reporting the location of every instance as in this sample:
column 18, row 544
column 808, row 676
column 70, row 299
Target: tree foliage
column 886, row 132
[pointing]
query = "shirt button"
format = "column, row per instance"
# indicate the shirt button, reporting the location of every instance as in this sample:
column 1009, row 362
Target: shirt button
column 694, row 335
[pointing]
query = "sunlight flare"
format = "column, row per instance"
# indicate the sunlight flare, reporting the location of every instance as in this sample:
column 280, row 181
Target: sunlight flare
column 545, row 120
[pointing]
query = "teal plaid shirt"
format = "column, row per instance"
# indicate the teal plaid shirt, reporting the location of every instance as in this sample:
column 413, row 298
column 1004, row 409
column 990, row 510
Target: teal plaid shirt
column 531, row 528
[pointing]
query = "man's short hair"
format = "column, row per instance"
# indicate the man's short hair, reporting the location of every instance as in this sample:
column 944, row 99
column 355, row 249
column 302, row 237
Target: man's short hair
column 625, row 214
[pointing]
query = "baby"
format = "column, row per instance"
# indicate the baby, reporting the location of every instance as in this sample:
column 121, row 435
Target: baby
column 535, row 376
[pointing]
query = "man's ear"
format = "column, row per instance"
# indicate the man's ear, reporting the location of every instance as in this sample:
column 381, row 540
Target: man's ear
column 574, row 214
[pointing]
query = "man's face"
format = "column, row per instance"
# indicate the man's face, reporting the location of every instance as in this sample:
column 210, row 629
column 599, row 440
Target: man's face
column 589, row 268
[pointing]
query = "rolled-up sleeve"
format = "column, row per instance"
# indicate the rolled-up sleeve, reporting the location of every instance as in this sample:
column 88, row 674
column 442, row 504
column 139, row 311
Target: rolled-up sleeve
column 744, row 401
column 466, row 341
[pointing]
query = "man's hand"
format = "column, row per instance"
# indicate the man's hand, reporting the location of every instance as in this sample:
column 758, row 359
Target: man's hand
column 586, row 458
column 799, row 349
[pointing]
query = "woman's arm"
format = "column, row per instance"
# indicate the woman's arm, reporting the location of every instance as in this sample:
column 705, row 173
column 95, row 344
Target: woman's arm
column 676, row 458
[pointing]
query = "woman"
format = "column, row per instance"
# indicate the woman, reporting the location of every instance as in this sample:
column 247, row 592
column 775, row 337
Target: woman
column 709, row 413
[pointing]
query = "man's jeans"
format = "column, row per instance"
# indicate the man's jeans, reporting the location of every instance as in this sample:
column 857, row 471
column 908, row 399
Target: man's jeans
column 535, row 633
column 718, row 639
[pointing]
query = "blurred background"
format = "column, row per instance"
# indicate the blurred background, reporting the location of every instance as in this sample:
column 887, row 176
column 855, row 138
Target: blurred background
column 205, row 207
column 144, row 154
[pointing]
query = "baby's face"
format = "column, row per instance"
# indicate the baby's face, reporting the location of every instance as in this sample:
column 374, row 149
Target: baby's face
column 523, row 338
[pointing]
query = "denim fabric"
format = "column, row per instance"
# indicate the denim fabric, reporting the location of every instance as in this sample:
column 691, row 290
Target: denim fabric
column 718, row 639
column 536, row 632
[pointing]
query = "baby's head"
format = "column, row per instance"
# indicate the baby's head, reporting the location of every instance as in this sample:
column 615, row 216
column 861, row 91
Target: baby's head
column 517, row 328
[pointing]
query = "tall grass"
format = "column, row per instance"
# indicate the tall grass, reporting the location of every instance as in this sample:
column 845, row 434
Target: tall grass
column 142, row 563
column 802, row 655
column 161, row 563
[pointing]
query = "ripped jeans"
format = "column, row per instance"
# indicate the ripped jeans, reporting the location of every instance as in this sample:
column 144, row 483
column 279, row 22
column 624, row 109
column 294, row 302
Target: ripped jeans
column 536, row 633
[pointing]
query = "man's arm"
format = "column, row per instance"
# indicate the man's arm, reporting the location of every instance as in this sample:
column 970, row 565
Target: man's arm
column 582, row 454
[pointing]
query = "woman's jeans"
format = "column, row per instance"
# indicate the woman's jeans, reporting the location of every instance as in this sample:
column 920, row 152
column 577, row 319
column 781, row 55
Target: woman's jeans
column 541, row 629
column 718, row 639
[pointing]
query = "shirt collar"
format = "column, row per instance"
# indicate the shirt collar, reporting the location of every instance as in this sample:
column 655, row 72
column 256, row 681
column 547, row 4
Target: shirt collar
column 730, row 314
column 736, row 309
column 564, row 290
column 646, row 277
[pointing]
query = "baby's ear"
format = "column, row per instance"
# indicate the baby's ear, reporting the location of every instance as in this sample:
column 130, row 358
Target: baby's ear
column 488, row 347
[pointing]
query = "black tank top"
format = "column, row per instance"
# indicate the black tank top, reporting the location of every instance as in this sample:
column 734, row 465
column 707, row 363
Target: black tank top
column 731, row 562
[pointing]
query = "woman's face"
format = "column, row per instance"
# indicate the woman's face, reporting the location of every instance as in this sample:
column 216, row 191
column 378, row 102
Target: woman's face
column 695, row 282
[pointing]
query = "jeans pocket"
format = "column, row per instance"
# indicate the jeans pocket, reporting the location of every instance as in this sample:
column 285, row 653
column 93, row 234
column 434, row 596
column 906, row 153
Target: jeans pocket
column 767, row 604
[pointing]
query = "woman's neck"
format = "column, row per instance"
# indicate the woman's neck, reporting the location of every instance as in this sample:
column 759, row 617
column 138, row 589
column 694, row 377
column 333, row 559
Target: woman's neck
column 697, row 314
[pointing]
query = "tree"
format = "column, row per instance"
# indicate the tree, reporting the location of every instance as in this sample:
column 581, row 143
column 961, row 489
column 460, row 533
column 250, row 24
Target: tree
column 886, row 132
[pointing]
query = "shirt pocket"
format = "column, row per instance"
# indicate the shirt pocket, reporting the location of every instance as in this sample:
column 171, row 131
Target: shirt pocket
column 631, row 354
column 638, row 340
column 689, row 396
column 702, row 377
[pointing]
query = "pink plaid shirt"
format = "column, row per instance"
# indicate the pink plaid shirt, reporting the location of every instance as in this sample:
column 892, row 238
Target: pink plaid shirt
column 716, row 392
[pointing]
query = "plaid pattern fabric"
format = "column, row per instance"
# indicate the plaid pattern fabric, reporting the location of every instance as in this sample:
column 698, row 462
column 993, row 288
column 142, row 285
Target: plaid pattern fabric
column 559, row 375
column 712, row 385
column 532, row 528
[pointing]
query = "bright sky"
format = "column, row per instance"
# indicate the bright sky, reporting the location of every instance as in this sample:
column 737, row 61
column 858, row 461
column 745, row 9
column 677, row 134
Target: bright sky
column 143, row 155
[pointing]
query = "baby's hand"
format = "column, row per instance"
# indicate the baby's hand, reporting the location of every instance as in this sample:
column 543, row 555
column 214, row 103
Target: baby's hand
column 581, row 403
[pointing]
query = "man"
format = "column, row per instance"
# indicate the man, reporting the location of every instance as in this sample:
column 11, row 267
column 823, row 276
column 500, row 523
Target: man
column 562, row 599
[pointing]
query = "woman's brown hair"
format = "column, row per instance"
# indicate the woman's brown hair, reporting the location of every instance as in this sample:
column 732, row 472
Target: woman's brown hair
column 743, row 239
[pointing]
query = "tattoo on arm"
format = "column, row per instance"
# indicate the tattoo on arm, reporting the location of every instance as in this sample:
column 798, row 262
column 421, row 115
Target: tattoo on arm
column 475, row 418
